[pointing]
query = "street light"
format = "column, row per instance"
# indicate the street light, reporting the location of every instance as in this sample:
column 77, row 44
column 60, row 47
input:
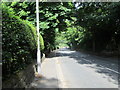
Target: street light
column 38, row 41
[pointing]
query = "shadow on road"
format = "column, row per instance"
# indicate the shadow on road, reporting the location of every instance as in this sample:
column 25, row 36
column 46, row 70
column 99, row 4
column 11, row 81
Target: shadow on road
column 105, row 66
column 44, row 83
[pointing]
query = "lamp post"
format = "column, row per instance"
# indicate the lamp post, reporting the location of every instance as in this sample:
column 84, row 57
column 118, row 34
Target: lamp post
column 38, row 40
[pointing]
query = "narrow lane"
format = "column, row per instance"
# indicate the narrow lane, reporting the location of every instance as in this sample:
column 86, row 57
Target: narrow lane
column 82, row 70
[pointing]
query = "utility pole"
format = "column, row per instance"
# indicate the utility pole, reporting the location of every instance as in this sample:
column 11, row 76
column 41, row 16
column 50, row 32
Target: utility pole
column 38, row 40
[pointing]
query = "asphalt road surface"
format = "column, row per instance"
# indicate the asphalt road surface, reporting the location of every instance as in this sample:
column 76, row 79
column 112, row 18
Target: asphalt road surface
column 82, row 70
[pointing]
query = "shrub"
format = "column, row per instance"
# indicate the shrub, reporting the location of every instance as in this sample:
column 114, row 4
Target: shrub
column 41, row 43
column 19, row 42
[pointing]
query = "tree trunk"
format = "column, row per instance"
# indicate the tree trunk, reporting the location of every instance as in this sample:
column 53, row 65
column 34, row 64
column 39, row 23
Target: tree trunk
column 93, row 44
column 94, row 41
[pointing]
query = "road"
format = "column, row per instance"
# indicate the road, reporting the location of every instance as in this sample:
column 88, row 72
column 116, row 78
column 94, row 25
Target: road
column 66, row 68
column 81, row 70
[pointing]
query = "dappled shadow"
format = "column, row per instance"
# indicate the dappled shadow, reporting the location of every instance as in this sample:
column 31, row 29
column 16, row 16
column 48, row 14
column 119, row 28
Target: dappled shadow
column 108, row 67
column 51, row 55
column 44, row 83
column 55, row 53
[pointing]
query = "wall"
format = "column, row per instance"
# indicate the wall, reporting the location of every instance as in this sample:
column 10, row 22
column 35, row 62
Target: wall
column 21, row 80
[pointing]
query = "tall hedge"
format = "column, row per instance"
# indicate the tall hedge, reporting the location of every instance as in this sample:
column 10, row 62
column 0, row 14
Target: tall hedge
column 19, row 42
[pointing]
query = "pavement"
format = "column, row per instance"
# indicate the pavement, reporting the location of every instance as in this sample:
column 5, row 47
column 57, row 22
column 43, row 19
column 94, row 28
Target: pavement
column 66, row 68
column 49, row 76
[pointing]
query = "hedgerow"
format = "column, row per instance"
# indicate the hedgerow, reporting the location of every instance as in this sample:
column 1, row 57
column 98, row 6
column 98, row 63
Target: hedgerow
column 19, row 42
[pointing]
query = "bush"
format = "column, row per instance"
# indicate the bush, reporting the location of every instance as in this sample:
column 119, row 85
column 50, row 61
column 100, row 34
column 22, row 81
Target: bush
column 41, row 43
column 19, row 42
